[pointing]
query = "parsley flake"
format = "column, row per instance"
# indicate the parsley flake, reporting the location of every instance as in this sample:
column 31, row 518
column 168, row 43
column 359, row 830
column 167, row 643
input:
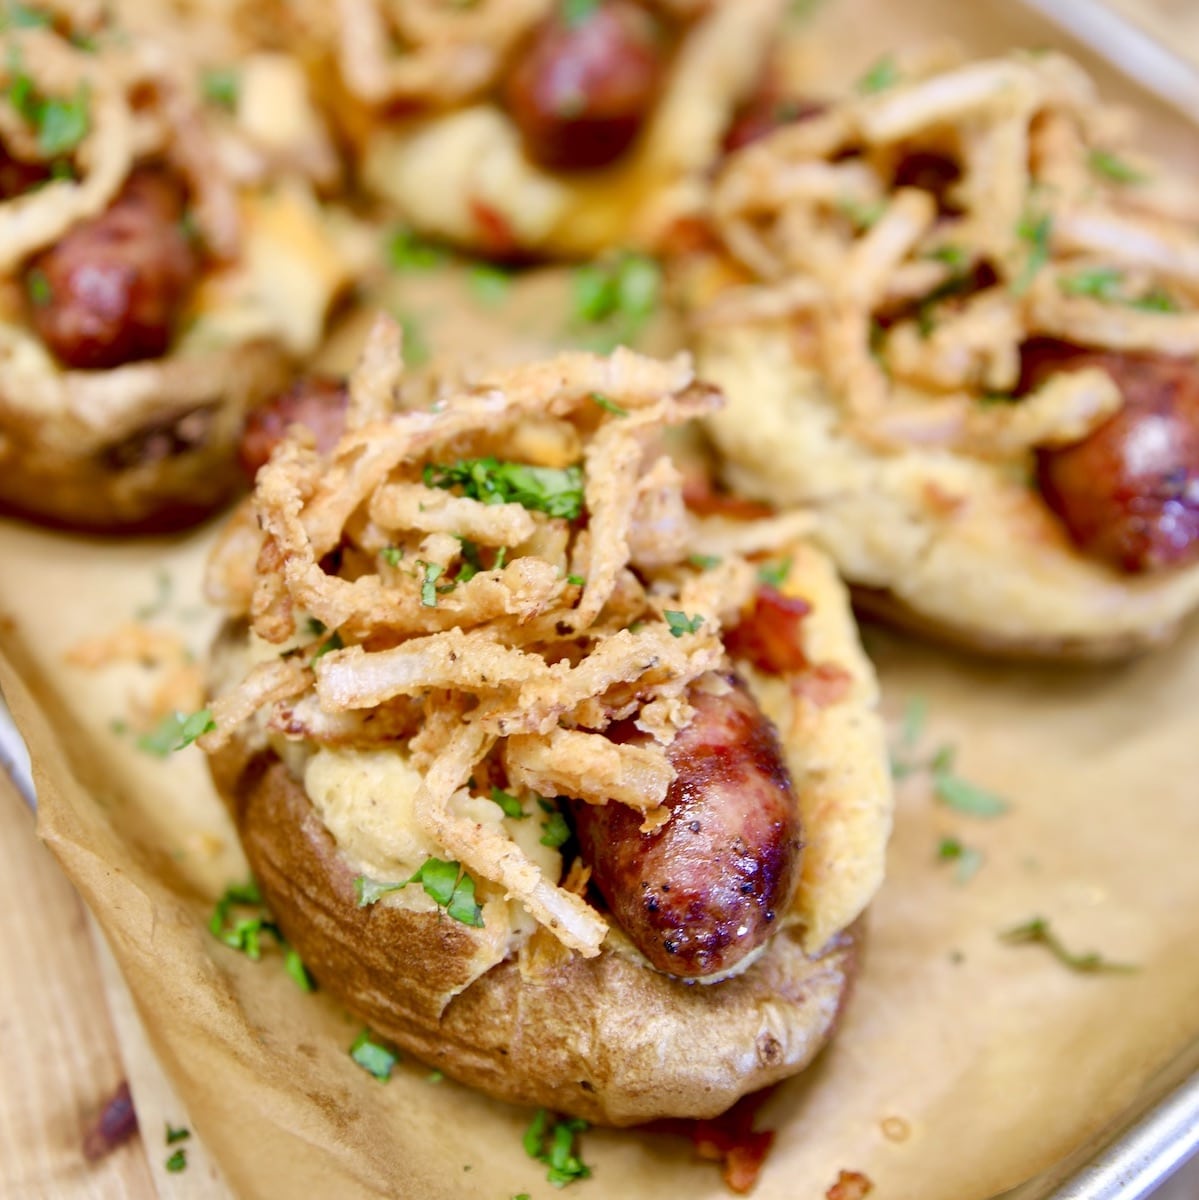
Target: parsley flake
column 968, row 859
column 775, row 574
column 173, row 1134
column 705, row 562
column 177, row 1161
column 37, row 288
column 1035, row 231
column 1114, row 168
column 445, row 882
column 1037, row 931
column 860, row 215
column 175, row 731
column 428, row 587
column 510, row 804
column 577, row 12
column 375, row 1057
column 222, row 87
column 680, row 623
column 293, row 964
column 20, row 16
column 489, row 284
column 576, row 581
column 915, row 716
column 392, row 555
column 954, row 792
column 553, row 1144
column 882, row 76
column 609, row 405
column 408, row 251
column 555, row 831
column 620, row 295
column 1101, row 283
column 557, row 491
column 332, row 642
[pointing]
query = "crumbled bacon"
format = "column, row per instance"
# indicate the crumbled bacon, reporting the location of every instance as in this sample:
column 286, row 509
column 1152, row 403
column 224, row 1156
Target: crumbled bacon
column 850, row 1185
column 824, row 684
column 768, row 636
column 729, row 1139
column 704, row 500
column 495, row 228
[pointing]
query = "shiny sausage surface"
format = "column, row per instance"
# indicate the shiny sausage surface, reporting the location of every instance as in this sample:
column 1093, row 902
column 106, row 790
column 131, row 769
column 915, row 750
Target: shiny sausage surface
column 583, row 86
column 700, row 893
column 316, row 401
column 1129, row 492
column 112, row 290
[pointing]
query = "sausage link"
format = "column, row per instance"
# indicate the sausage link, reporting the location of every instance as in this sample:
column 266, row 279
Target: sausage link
column 582, row 88
column 700, row 893
column 316, row 401
column 111, row 291
column 1128, row 493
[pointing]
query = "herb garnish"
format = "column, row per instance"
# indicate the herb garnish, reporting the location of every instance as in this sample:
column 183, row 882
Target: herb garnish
column 705, row 562
column 175, row 731
column 246, row 933
column 177, row 1161
column 861, row 216
column 490, row 284
column 553, row 1145
column 1107, row 164
column 408, row 251
column 510, row 804
column 20, row 16
column 392, row 555
column 1037, row 931
column 37, row 288
column 555, row 831
column 680, row 623
column 883, row 75
column 374, row 1056
column 576, row 581
column 557, row 491
column 576, row 12
column 445, row 882
column 222, row 86
column 1036, row 232
column 619, row 294
column 775, row 574
column 173, row 1135
column 1106, row 284
column 968, row 859
column 428, row 587
column 416, row 345
column 332, row 642
column 609, row 405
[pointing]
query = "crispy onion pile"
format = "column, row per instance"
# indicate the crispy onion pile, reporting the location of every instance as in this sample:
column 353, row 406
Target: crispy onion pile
column 492, row 581
column 918, row 231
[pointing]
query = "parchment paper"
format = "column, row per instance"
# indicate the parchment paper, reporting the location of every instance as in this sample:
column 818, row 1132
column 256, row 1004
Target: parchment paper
column 964, row 1065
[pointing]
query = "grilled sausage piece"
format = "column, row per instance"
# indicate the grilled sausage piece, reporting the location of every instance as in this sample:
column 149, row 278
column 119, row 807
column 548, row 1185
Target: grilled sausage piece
column 700, row 893
column 583, row 87
column 1128, row 493
column 316, row 401
column 111, row 291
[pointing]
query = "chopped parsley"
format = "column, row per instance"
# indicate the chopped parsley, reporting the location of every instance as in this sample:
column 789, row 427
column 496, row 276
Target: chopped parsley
column 62, row 123
column 883, row 75
column 489, row 284
column 775, row 574
column 553, row 1144
column 915, row 716
column 174, row 1135
column 245, row 933
column 15, row 15
column 1037, row 931
column 392, row 555
column 416, row 345
column 37, row 288
column 175, row 731
column 577, row 12
column 680, row 623
column 861, row 216
column 332, row 642
column 222, row 86
column 434, row 1076
column 954, row 792
column 609, row 405
column 293, row 964
column 951, row 255
column 177, row 1161
column 576, row 581
column 1035, row 231
column 408, row 251
column 1155, row 300
column 445, row 882
column 705, row 562
column 555, row 831
column 1114, row 168
column 619, row 294
column 1102, row 283
column 428, row 587
column 375, row 1057
column 968, row 859
column 510, row 804
column 557, row 491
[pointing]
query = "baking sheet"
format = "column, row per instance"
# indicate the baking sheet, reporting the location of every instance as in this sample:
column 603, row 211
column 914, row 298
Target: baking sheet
column 965, row 1064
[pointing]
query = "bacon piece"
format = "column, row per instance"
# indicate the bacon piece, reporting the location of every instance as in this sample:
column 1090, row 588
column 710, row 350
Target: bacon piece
column 769, row 636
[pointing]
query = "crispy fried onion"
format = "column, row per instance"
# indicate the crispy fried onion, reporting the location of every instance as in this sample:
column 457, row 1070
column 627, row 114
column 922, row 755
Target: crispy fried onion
column 427, row 50
column 494, row 616
column 924, row 227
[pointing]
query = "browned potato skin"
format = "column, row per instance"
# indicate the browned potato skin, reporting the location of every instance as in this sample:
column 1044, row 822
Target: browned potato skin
column 614, row 1021
column 116, row 284
column 699, row 894
column 1128, row 493
column 580, row 92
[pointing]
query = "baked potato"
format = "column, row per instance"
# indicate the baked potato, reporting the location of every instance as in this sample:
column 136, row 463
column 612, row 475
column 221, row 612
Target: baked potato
column 588, row 822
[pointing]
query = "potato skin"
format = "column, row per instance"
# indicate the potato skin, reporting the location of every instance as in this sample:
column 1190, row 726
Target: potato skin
column 628, row 1045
